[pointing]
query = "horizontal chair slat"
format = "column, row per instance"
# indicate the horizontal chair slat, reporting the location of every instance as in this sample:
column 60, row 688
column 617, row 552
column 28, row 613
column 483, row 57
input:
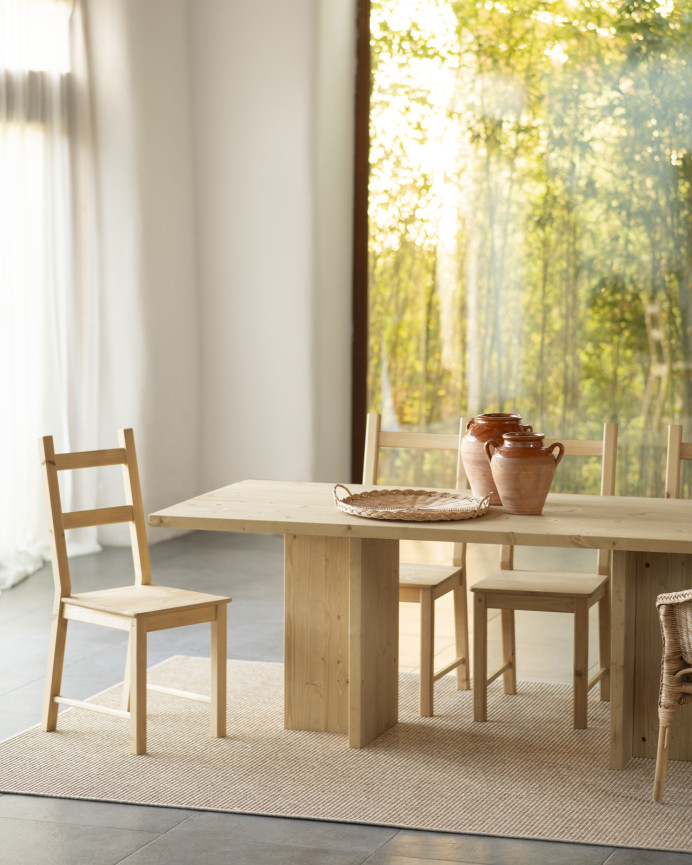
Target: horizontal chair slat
column 92, row 707
column 579, row 448
column 98, row 517
column 176, row 692
column 433, row 441
column 90, row 459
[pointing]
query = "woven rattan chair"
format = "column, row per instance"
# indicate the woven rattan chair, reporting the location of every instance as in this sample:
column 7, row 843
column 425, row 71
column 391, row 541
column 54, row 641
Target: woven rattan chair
column 675, row 613
column 424, row 583
column 135, row 609
column 510, row 589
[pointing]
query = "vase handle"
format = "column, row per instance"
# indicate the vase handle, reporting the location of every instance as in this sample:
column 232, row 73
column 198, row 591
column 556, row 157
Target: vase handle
column 561, row 449
column 526, row 428
column 471, row 421
column 486, row 448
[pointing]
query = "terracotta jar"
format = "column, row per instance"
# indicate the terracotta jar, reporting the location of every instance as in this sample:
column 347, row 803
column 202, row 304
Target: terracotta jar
column 523, row 470
column 479, row 430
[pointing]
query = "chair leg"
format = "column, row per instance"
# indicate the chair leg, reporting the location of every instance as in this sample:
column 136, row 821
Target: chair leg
column 480, row 657
column 427, row 652
column 461, row 636
column 581, row 664
column 138, row 687
column 509, row 677
column 604, row 644
column 218, row 672
column 661, row 762
column 125, row 699
column 56, row 659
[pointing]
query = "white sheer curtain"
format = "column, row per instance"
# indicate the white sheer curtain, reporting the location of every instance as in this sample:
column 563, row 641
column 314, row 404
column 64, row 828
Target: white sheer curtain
column 48, row 269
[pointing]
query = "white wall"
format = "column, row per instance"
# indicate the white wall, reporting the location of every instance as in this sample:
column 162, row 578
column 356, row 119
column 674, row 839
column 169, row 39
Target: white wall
column 150, row 364
column 272, row 104
column 253, row 69
column 224, row 138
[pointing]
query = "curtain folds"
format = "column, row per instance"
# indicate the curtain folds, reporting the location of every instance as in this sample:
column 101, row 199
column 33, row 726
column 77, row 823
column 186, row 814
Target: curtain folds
column 49, row 284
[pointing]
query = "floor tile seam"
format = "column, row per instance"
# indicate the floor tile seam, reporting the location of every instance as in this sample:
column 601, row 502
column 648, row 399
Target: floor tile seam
column 525, row 841
column 159, row 835
column 406, row 860
column 29, row 683
column 659, row 854
column 265, row 845
column 12, row 616
column 136, row 852
column 152, row 835
column 316, row 821
column 381, row 846
column 101, row 825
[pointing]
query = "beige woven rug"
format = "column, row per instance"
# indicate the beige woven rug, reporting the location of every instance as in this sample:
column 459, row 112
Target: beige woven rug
column 520, row 775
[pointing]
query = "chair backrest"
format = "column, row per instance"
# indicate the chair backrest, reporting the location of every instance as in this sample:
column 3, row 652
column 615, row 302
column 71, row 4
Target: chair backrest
column 60, row 521
column 606, row 449
column 377, row 438
column 678, row 450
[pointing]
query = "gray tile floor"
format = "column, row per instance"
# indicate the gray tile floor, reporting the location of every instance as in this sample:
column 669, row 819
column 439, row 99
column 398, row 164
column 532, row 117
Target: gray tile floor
column 44, row 831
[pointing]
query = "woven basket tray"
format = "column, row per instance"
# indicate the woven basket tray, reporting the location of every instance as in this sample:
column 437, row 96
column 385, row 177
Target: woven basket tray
column 410, row 505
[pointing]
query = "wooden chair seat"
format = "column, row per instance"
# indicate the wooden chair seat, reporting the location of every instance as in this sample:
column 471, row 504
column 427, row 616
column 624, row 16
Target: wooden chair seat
column 439, row 578
column 137, row 609
column 544, row 584
column 133, row 601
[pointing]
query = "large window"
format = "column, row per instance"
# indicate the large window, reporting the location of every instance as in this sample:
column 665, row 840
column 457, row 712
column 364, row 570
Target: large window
column 530, row 218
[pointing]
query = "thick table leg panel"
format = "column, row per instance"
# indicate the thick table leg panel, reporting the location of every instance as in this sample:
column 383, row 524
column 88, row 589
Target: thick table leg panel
column 621, row 658
column 374, row 629
column 316, row 633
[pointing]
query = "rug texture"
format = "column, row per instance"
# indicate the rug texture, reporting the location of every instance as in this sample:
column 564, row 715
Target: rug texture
column 525, row 774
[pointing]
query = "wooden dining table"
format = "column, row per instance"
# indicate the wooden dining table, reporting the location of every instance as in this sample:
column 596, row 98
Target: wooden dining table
column 341, row 595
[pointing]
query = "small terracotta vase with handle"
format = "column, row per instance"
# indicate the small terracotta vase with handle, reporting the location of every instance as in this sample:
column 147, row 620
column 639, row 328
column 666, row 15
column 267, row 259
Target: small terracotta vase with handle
column 479, row 430
column 523, row 470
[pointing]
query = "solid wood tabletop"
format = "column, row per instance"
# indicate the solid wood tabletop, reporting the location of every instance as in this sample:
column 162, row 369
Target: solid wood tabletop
column 293, row 507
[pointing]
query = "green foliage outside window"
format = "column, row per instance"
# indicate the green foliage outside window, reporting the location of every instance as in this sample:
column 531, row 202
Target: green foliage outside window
column 530, row 200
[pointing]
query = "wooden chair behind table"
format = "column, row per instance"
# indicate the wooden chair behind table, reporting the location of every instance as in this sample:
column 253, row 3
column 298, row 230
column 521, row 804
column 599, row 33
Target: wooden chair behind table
column 136, row 609
column 550, row 591
column 424, row 583
column 675, row 614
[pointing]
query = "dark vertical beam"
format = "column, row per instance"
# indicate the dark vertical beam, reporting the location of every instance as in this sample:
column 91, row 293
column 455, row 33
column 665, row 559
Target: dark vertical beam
column 359, row 361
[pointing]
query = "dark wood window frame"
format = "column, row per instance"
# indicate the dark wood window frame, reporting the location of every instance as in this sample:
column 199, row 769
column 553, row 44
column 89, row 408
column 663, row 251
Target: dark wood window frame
column 359, row 350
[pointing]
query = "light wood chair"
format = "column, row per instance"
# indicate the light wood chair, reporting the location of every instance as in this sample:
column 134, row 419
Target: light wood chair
column 563, row 592
column 675, row 614
column 424, row 583
column 136, row 609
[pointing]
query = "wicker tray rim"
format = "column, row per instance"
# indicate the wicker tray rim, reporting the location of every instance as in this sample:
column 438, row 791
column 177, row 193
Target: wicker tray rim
column 395, row 504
